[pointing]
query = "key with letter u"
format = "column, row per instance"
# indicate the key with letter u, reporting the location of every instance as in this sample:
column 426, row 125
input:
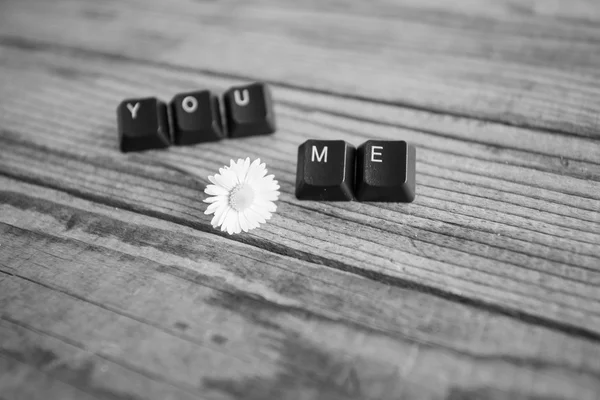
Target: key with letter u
column 325, row 170
column 196, row 117
column 143, row 124
column 385, row 171
column 249, row 110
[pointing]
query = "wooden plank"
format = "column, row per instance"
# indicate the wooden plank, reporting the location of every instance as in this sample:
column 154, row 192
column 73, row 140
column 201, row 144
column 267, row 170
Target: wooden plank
column 525, row 64
column 142, row 296
column 24, row 93
column 483, row 288
column 559, row 294
column 34, row 208
column 554, row 275
column 34, row 365
column 20, row 381
column 27, row 70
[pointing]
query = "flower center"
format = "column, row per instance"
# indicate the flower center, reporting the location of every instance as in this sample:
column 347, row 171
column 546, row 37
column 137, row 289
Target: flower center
column 241, row 197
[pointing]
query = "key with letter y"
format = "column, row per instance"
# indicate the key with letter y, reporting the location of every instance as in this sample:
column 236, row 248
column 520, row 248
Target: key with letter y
column 325, row 170
column 143, row 124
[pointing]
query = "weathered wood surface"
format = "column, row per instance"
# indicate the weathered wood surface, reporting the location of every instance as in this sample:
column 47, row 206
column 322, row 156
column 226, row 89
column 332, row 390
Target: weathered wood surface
column 521, row 62
column 113, row 284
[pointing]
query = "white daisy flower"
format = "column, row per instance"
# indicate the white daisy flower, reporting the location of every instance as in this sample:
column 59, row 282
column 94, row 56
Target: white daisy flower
column 243, row 196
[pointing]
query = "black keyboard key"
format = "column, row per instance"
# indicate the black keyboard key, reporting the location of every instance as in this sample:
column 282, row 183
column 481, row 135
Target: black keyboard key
column 196, row 117
column 325, row 170
column 249, row 110
column 143, row 124
column 385, row 171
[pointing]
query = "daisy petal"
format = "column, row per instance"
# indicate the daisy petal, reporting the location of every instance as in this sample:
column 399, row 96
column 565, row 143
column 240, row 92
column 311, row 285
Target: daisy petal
column 226, row 179
column 229, row 223
column 217, row 217
column 272, row 207
column 236, row 225
column 238, row 169
column 266, row 212
column 222, row 198
column 214, row 220
column 213, row 207
column 244, row 166
column 269, row 196
column 243, row 222
column 215, row 190
column 257, row 214
column 225, row 224
column 228, row 210
column 252, row 176
column 265, row 205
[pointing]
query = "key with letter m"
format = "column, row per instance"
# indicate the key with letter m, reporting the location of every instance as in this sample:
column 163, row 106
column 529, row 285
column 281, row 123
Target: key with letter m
column 325, row 170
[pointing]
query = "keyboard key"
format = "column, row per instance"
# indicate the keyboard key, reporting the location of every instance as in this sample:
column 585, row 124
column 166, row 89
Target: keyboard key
column 325, row 170
column 196, row 117
column 385, row 171
column 249, row 110
column 143, row 124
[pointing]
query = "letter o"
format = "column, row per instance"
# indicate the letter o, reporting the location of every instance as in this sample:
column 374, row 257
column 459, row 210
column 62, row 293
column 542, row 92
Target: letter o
column 189, row 104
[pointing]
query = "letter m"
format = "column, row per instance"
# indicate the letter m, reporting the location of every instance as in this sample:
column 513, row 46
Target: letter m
column 319, row 157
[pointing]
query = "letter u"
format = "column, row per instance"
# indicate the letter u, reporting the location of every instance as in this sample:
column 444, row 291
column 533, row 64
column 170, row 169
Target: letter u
column 241, row 99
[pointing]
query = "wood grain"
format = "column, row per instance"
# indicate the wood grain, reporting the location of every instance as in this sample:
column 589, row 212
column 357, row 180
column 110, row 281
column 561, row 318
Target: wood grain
column 530, row 63
column 248, row 304
column 114, row 285
column 547, row 275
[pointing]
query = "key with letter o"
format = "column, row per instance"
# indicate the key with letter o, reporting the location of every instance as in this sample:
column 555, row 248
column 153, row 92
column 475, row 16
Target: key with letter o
column 143, row 124
column 249, row 110
column 196, row 117
column 325, row 170
column 385, row 171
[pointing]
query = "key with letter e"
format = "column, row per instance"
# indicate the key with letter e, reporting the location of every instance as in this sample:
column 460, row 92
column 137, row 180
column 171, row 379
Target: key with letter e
column 143, row 124
column 325, row 170
column 385, row 171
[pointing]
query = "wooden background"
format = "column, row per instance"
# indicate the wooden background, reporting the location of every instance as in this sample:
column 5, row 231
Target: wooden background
column 113, row 284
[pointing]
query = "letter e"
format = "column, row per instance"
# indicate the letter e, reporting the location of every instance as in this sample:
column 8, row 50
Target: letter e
column 374, row 153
